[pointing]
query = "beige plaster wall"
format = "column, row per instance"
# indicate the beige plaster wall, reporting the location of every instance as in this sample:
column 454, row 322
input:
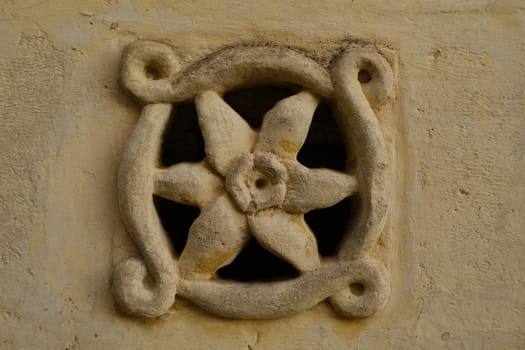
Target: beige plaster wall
column 457, row 224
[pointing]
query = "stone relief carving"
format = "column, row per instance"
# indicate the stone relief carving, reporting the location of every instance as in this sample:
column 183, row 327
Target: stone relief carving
column 251, row 185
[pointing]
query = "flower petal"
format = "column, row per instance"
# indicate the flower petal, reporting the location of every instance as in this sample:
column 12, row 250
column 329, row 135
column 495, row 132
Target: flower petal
column 214, row 240
column 188, row 183
column 286, row 125
column 226, row 134
column 287, row 236
column 310, row 189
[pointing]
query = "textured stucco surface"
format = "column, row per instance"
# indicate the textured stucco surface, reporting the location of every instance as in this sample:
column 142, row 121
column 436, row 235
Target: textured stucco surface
column 457, row 223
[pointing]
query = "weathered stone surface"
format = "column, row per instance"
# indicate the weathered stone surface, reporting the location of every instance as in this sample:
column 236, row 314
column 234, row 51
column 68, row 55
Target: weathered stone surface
column 453, row 239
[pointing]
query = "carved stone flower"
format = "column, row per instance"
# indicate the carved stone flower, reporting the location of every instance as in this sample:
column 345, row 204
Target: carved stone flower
column 251, row 184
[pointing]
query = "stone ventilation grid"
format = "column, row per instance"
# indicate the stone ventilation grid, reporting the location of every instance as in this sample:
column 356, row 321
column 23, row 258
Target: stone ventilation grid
column 250, row 186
